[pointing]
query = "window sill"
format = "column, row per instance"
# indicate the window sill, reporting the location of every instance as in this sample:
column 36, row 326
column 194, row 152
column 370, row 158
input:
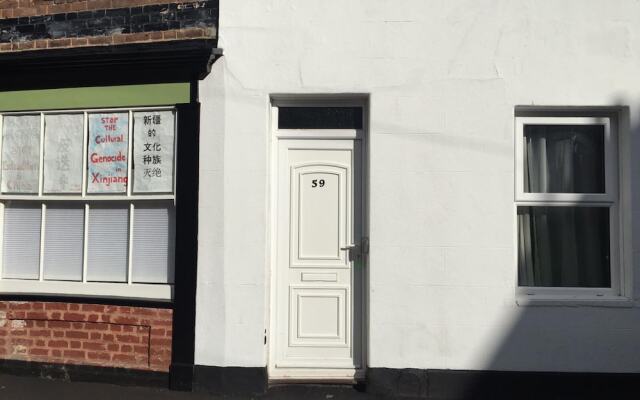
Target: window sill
column 574, row 301
column 88, row 289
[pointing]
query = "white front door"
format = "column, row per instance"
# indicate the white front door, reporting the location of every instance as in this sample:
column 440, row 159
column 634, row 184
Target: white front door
column 320, row 260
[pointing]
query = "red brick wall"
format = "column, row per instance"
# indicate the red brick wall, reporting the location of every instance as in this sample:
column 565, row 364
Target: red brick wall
column 54, row 24
column 28, row 8
column 90, row 334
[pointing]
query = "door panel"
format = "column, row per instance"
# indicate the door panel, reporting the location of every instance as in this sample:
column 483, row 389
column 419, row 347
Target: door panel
column 319, row 202
column 318, row 316
column 319, row 216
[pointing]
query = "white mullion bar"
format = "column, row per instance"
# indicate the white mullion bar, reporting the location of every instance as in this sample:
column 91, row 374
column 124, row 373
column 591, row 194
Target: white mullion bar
column 41, row 169
column 129, row 153
column 131, row 206
column 130, row 251
column 105, row 197
column 90, row 289
column 106, row 110
column 85, row 140
column 567, row 197
column 85, row 244
column 564, row 203
column 43, row 225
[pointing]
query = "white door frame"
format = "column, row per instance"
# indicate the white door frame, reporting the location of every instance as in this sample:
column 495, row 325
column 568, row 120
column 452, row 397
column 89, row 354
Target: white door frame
column 275, row 135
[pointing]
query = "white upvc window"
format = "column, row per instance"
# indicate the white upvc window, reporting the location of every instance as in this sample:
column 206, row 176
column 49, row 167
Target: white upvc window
column 568, row 209
column 87, row 202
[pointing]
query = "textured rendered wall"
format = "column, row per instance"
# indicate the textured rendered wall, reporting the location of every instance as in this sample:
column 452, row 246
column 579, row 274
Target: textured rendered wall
column 444, row 78
column 86, row 334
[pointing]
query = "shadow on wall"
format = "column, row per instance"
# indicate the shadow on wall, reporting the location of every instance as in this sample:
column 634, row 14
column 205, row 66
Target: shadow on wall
column 590, row 345
column 596, row 346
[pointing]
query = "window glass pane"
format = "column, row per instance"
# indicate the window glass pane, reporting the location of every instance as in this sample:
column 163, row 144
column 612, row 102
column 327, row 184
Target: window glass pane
column 21, row 241
column 108, row 243
column 63, row 140
column 563, row 247
column 564, row 159
column 320, row 118
column 153, row 144
column 63, row 242
column 153, row 243
column 107, row 153
column 20, row 153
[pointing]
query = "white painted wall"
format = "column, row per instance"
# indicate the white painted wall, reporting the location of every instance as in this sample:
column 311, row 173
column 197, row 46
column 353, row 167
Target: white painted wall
column 444, row 78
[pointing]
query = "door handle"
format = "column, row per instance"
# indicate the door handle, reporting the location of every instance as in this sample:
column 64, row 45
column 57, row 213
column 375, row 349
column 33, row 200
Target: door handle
column 363, row 246
column 352, row 251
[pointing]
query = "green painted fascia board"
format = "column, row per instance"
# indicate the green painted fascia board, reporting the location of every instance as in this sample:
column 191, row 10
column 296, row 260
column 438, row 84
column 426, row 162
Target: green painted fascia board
column 96, row 97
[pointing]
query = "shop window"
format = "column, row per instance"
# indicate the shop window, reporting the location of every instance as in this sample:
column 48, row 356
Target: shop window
column 567, row 207
column 87, row 202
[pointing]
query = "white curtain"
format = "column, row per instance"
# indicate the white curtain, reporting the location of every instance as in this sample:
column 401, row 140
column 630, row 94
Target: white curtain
column 563, row 246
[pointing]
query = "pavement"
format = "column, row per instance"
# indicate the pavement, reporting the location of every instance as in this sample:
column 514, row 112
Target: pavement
column 32, row 388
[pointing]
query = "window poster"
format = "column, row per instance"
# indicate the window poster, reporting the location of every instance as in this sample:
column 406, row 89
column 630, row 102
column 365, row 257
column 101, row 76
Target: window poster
column 107, row 153
column 154, row 134
column 63, row 136
column 20, row 153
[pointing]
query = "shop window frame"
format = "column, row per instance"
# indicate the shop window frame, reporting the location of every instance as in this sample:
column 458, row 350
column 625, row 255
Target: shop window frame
column 84, row 288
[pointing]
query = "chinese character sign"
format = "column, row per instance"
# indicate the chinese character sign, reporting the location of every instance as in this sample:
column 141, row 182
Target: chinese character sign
column 63, row 135
column 154, row 134
column 20, row 153
column 107, row 153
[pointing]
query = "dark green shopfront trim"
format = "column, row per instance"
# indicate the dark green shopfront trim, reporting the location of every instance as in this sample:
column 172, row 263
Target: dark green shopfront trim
column 94, row 97
column 164, row 62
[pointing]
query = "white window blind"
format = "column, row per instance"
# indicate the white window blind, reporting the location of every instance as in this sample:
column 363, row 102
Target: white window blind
column 63, row 242
column 153, row 239
column 21, row 244
column 108, row 243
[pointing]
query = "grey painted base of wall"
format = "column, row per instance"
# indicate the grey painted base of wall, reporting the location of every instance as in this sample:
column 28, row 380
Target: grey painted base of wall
column 463, row 385
column 181, row 377
column 85, row 373
column 229, row 380
column 380, row 382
